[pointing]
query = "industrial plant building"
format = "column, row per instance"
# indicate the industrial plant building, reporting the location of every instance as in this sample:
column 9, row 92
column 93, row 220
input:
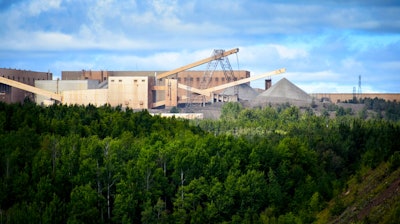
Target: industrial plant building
column 158, row 89
column 60, row 86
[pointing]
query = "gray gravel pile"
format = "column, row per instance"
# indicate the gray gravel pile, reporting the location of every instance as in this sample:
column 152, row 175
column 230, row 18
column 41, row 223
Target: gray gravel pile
column 283, row 92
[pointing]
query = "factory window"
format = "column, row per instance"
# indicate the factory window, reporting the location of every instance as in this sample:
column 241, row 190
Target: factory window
column 222, row 79
column 120, row 80
column 112, row 80
column 191, row 79
column 185, row 79
column 143, row 80
column 216, row 79
column 198, row 79
column 5, row 89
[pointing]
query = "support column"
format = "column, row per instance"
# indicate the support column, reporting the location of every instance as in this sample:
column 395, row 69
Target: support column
column 171, row 92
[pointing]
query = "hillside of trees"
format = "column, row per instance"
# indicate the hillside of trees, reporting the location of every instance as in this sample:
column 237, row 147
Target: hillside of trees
column 75, row 164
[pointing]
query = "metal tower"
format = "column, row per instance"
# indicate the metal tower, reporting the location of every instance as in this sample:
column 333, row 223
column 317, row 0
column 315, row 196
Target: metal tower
column 223, row 61
column 212, row 65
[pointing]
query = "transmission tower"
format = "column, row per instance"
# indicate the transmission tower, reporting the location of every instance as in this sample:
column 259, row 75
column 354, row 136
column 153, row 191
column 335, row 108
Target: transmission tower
column 359, row 86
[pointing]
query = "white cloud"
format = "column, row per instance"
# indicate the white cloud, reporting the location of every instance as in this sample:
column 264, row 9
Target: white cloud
column 35, row 7
column 271, row 52
column 166, row 8
column 290, row 53
column 313, row 76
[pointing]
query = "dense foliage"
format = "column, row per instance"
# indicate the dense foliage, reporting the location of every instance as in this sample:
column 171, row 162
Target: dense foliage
column 389, row 110
column 73, row 164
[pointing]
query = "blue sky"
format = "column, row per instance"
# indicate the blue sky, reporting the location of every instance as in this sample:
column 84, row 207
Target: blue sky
column 324, row 45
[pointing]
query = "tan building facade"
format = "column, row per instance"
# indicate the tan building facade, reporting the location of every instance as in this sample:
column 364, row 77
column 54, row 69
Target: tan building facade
column 127, row 91
column 10, row 94
column 133, row 92
column 96, row 97
column 60, row 86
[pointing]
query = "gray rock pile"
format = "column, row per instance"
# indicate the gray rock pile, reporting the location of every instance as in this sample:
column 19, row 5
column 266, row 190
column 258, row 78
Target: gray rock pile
column 283, row 92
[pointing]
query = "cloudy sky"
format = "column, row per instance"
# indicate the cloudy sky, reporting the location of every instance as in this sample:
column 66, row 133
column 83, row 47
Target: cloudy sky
column 324, row 45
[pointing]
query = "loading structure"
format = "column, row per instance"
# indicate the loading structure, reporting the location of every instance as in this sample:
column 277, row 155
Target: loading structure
column 170, row 86
column 229, row 75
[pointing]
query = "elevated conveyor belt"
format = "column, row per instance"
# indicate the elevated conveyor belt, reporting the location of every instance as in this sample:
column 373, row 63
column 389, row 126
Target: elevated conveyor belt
column 209, row 91
column 31, row 89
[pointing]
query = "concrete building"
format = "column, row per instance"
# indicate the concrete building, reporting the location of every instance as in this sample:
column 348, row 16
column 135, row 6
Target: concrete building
column 60, row 86
column 128, row 91
column 10, row 94
column 133, row 92
column 193, row 78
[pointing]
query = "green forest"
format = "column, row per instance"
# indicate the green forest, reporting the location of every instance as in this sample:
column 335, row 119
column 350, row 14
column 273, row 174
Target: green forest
column 76, row 164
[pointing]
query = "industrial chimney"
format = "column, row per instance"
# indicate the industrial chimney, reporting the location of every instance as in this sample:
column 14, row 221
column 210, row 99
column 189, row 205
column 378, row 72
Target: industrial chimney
column 268, row 84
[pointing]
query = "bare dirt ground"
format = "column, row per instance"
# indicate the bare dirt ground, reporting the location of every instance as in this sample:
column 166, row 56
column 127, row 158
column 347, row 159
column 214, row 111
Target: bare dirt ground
column 380, row 199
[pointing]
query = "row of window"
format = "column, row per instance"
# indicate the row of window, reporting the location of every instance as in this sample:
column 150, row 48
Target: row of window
column 216, row 79
column 204, row 79
column 120, row 80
